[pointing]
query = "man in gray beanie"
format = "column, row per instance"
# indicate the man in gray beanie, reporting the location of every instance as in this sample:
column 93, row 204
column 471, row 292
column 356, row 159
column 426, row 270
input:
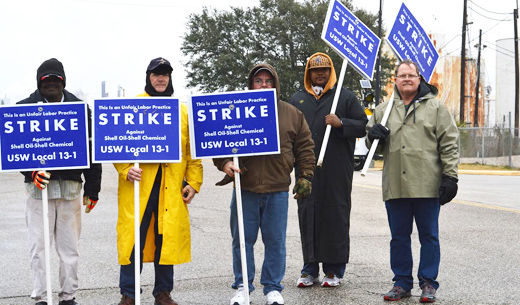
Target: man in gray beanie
column 64, row 194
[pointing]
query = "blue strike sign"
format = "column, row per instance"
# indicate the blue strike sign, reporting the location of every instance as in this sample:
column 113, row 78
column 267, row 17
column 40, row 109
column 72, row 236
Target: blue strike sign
column 234, row 124
column 137, row 130
column 351, row 38
column 409, row 41
column 44, row 136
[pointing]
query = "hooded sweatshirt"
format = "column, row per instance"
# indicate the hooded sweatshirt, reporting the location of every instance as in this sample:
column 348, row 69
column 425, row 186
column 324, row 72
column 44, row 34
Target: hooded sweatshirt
column 271, row 173
column 307, row 80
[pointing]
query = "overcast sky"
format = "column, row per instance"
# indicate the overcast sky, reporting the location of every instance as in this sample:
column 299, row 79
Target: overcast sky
column 114, row 40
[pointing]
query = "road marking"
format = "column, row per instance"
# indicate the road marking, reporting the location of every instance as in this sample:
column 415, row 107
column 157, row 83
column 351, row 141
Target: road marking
column 458, row 201
column 372, row 187
column 486, row 206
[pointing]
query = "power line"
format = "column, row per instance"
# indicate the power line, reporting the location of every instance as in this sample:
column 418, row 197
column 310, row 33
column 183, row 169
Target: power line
column 489, row 29
column 489, row 10
column 491, row 18
column 503, row 53
column 456, row 36
column 453, row 51
column 503, row 49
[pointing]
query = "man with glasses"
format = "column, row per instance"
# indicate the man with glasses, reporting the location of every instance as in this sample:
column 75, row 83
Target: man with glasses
column 265, row 196
column 419, row 145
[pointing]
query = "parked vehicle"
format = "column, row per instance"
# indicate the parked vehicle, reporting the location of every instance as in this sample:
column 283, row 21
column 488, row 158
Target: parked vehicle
column 361, row 149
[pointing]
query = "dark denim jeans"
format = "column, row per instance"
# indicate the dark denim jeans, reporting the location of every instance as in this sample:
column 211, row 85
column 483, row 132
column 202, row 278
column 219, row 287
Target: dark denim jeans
column 401, row 213
column 163, row 273
column 267, row 212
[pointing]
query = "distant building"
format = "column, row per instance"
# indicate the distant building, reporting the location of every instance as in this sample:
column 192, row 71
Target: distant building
column 120, row 91
column 505, row 96
column 104, row 92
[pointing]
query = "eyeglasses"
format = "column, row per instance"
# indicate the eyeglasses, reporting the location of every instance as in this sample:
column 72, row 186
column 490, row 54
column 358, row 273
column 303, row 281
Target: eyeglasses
column 260, row 82
column 407, row 76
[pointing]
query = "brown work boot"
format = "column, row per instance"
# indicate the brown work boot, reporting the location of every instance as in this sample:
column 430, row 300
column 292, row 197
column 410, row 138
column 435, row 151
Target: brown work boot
column 164, row 298
column 126, row 300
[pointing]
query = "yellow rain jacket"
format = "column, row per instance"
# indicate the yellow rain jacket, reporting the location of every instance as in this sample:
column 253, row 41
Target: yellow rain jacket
column 173, row 218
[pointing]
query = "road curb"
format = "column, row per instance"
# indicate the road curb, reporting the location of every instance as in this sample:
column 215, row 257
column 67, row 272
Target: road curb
column 476, row 172
column 488, row 172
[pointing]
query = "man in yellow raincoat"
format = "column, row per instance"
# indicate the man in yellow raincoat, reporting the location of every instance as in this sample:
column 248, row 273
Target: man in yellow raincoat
column 165, row 191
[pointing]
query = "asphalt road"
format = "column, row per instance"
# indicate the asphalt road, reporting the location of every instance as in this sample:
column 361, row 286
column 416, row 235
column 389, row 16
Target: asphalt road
column 480, row 248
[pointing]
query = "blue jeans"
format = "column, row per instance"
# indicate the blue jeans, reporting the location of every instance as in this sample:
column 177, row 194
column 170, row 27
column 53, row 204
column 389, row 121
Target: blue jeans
column 268, row 212
column 313, row 269
column 163, row 273
column 401, row 213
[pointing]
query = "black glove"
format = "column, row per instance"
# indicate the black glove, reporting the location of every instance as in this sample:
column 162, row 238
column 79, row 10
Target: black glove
column 448, row 189
column 378, row 131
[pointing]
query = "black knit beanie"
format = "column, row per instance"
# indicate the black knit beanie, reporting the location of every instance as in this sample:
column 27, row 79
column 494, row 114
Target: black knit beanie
column 50, row 67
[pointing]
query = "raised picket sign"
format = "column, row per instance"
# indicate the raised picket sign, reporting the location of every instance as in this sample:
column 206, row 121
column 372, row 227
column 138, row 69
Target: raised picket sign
column 409, row 41
column 234, row 124
column 44, row 136
column 141, row 130
column 351, row 38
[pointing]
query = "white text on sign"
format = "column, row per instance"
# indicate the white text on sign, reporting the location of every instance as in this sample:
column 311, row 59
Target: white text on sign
column 241, row 143
column 415, row 36
column 352, row 30
column 62, row 155
column 235, row 113
column 37, row 126
column 131, row 118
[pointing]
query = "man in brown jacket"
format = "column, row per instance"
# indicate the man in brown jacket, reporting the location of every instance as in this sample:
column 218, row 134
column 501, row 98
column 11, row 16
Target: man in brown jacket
column 265, row 194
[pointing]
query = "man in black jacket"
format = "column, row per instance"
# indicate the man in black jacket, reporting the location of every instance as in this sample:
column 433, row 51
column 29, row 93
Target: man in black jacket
column 64, row 190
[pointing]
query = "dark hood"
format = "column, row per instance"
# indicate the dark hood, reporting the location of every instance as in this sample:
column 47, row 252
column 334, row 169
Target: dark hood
column 273, row 73
column 151, row 91
column 50, row 66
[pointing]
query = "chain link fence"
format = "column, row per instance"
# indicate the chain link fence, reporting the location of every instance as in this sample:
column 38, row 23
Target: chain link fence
column 491, row 146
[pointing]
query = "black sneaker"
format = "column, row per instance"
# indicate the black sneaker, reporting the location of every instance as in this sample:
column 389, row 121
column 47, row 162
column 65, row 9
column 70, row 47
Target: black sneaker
column 428, row 294
column 69, row 302
column 396, row 294
column 41, row 303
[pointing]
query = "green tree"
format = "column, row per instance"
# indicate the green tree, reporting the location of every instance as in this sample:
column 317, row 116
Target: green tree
column 222, row 46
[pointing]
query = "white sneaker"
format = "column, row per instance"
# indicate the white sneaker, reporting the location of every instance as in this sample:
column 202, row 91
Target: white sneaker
column 306, row 280
column 238, row 298
column 330, row 280
column 274, row 298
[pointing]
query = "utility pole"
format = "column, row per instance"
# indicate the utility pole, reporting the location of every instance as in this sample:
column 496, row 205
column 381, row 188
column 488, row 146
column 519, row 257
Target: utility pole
column 475, row 113
column 515, row 17
column 463, row 63
column 378, row 62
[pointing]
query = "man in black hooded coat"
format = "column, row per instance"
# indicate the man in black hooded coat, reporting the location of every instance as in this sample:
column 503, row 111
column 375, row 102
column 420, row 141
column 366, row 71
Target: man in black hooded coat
column 325, row 216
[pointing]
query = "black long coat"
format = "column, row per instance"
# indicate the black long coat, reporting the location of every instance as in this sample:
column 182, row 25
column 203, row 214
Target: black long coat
column 325, row 217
